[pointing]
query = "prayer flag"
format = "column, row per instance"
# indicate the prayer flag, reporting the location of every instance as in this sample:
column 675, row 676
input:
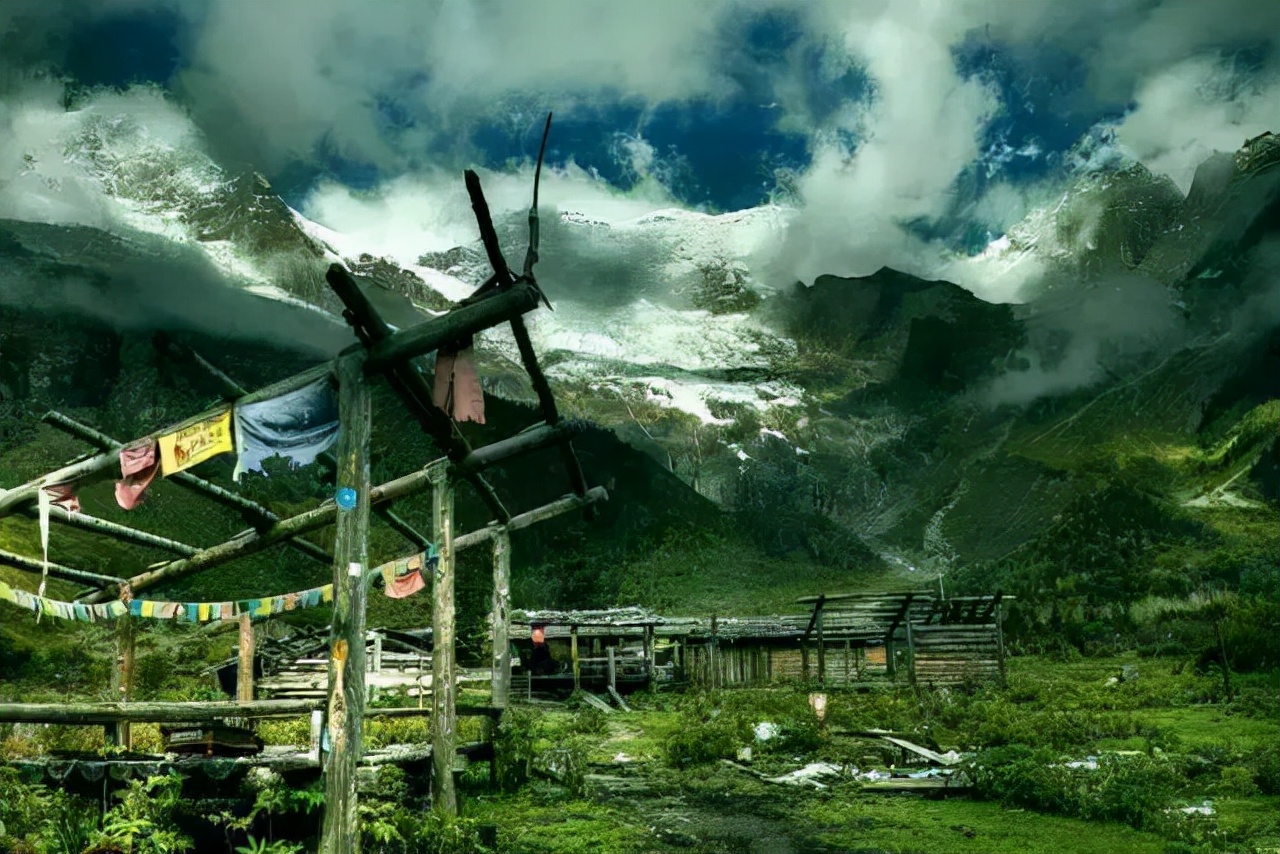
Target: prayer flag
column 196, row 443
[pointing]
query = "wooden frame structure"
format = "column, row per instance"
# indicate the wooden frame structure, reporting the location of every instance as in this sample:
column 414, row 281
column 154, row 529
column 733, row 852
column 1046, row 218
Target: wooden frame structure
column 394, row 354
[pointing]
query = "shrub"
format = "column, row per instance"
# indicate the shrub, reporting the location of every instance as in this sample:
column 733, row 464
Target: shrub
column 705, row 734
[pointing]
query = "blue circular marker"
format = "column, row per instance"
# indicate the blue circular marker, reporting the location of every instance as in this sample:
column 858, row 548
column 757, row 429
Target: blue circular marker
column 346, row 498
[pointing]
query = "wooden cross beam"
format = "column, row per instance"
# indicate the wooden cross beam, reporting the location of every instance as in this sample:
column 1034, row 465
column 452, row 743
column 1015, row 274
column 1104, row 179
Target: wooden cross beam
column 106, row 465
column 507, row 283
column 253, row 541
column 56, row 570
column 406, row 377
column 252, row 512
column 233, row 390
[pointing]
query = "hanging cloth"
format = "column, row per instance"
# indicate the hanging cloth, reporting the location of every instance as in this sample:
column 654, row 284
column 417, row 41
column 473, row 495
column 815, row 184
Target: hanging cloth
column 63, row 495
column 139, row 465
column 457, row 385
column 299, row 425
column 195, row 443
column 45, row 501
column 403, row 577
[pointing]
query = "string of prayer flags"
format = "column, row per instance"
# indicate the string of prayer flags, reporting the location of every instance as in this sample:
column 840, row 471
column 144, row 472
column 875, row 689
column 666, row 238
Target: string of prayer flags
column 189, row 612
column 195, row 443
column 41, row 605
column 138, row 467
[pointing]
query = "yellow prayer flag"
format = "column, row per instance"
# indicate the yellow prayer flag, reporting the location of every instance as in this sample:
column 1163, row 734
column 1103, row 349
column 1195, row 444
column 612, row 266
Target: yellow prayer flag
column 196, row 443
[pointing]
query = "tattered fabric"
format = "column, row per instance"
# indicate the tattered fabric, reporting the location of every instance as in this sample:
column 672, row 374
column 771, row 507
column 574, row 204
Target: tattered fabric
column 457, row 387
column 403, row 577
column 139, row 464
column 299, row 425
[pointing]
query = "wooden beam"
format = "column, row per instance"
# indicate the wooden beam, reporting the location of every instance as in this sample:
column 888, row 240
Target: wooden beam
column 408, row 381
column 233, row 390
column 340, row 828
column 536, row 438
column 104, row 465
column 251, row 541
column 101, row 714
column 57, row 570
column 500, row 618
column 244, row 672
column 114, row 530
column 532, row 517
column 252, row 512
column 506, row 283
column 822, row 647
column 461, row 322
column 444, row 799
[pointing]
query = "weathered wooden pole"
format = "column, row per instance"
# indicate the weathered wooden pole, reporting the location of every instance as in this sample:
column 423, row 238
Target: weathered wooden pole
column 649, row 652
column 573, row 654
column 444, row 799
column 244, row 673
column 122, row 680
column 340, row 831
column 95, row 714
column 911, row 655
column 822, row 647
column 613, row 669
column 500, row 618
column 999, row 615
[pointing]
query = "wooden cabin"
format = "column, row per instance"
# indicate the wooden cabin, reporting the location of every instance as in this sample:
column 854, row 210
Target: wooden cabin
column 851, row 639
column 556, row 651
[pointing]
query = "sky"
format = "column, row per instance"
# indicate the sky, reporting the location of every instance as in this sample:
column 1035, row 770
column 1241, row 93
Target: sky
column 893, row 130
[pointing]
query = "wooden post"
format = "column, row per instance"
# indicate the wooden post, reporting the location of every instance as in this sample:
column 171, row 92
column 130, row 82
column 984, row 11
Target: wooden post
column 500, row 625
column 848, row 652
column 377, row 653
column 122, row 678
column 444, row 799
column 1000, row 643
column 340, row 829
column 613, row 670
column 822, row 648
column 573, row 653
column 500, row 619
column 911, row 655
column 712, row 651
column 649, row 652
column 890, row 667
column 244, row 672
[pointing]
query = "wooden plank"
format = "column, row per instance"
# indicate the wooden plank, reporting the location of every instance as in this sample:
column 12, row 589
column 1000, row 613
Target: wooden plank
column 617, row 698
column 111, row 529
column 443, row 685
column 340, row 828
column 822, row 645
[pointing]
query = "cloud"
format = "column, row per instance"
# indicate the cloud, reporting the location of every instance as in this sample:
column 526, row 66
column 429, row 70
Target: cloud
column 1126, row 321
column 1190, row 110
column 401, row 86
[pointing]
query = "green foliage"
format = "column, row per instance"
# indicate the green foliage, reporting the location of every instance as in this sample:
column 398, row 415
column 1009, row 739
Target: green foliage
column 1135, row 790
column 706, row 732
column 516, row 745
column 142, row 821
column 391, row 823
